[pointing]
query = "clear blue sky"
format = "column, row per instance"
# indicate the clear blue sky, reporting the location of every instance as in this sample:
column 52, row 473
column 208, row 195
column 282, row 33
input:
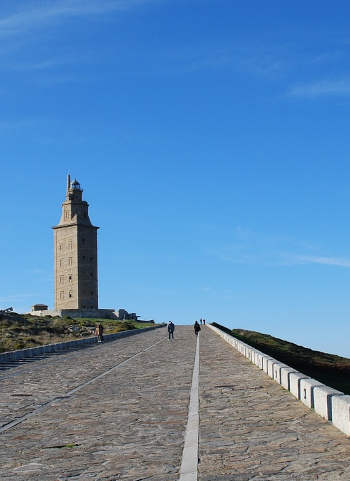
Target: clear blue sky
column 211, row 138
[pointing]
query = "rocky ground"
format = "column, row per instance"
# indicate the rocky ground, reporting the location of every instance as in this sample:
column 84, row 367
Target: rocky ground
column 20, row 331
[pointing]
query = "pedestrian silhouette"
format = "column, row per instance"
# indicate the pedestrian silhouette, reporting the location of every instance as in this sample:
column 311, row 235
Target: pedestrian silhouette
column 171, row 329
column 197, row 328
column 99, row 333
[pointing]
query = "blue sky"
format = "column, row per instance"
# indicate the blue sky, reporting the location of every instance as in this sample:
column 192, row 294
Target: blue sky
column 212, row 142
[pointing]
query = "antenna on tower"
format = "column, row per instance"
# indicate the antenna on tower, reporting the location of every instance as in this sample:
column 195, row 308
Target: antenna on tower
column 68, row 182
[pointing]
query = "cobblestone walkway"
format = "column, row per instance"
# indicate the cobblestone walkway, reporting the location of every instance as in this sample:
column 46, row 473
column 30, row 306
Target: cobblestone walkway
column 26, row 387
column 128, row 425
column 251, row 429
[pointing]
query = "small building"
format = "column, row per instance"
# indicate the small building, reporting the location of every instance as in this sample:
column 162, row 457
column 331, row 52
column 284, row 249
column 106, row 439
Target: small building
column 39, row 307
column 123, row 314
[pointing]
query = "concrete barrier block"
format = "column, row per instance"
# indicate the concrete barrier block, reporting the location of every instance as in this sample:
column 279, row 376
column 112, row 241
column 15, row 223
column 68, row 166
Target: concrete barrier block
column 254, row 356
column 294, row 383
column 341, row 413
column 307, row 387
column 285, row 371
column 259, row 360
column 323, row 400
column 277, row 371
column 270, row 363
column 265, row 359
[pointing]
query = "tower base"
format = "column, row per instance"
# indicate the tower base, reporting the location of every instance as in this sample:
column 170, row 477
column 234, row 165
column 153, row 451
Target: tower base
column 94, row 313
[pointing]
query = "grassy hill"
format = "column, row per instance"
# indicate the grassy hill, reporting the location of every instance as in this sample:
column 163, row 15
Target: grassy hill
column 19, row 331
column 332, row 370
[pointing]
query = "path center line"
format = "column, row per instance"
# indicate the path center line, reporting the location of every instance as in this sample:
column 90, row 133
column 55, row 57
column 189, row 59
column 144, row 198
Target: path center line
column 189, row 465
column 46, row 404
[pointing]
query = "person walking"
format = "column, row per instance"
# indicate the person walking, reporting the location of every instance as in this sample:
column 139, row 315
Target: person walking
column 200, row 320
column 99, row 333
column 204, row 321
column 197, row 328
column 171, row 329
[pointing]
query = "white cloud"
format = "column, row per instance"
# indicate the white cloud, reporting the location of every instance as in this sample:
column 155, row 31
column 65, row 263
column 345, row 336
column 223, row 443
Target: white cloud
column 249, row 247
column 331, row 261
column 36, row 16
column 322, row 88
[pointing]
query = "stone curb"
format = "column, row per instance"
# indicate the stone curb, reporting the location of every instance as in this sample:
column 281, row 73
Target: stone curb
column 327, row 402
column 60, row 346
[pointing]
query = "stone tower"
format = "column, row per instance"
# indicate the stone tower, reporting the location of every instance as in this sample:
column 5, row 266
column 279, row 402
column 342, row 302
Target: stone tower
column 75, row 241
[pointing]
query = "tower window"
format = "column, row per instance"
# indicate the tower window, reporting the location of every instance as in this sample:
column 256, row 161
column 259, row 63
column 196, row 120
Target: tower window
column 61, row 262
column 70, row 244
column 70, row 278
column 91, row 274
column 61, row 279
column 70, row 294
column 83, row 258
column 62, row 295
column 60, row 246
column 69, row 261
column 91, row 293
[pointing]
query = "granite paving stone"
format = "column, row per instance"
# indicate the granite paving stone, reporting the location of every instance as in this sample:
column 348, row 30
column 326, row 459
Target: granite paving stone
column 127, row 425
column 251, row 429
column 27, row 386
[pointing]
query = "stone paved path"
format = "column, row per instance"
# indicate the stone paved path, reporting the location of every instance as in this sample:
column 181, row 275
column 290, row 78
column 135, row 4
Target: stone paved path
column 129, row 424
column 27, row 386
column 251, row 429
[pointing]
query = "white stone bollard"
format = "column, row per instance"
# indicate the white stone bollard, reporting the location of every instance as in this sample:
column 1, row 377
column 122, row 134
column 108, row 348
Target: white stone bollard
column 277, row 371
column 248, row 353
column 270, row 363
column 254, row 356
column 265, row 359
column 323, row 400
column 307, row 391
column 259, row 359
column 294, row 383
column 341, row 413
column 285, row 371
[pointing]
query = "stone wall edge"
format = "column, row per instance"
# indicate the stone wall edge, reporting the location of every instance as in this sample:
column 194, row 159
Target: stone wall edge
column 327, row 402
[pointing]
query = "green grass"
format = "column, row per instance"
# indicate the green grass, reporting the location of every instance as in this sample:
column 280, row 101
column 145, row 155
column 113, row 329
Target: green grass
column 20, row 331
column 332, row 370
